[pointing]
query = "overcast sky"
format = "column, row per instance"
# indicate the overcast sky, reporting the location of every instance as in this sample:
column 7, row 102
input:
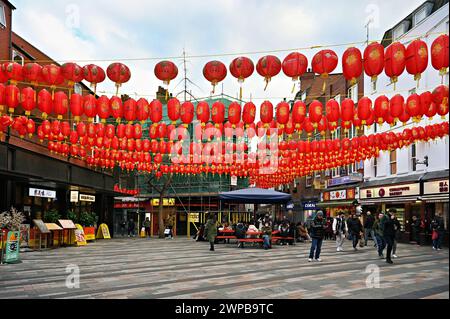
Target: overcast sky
column 116, row 30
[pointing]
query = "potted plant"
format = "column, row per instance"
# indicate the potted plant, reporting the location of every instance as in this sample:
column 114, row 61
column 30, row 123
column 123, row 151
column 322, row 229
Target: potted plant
column 51, row 216
column 10, row 221
column 71, row 215
column 88, row 220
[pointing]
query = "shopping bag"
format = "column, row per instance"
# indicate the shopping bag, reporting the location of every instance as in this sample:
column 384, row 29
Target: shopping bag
column 435, row 235
column 143, row 232
column 167, row 232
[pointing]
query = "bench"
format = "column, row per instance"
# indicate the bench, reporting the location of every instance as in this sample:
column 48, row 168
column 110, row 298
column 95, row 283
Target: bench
column 251, row 240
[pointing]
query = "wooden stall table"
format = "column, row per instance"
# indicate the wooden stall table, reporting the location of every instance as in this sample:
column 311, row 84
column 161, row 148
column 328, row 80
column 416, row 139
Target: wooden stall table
column 55, row 229
column 42, row 230
column 69, row 228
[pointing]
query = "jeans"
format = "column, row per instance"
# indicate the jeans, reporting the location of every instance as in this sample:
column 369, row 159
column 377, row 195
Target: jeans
column 438, row 242
column 380, row 245
column 316, row 247
column 266, row 239
column 394, row 247
column 340, row 238
column 390, row 244
column 371, row 232
column 355, row 239
column 147, row 232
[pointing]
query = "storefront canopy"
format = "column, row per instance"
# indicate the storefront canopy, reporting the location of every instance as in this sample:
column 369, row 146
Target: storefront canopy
column 255, row 196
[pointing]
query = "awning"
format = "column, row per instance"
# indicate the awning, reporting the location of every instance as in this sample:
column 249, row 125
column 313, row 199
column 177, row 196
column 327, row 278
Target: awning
column 443, row 198
column 336, row 203
column 255, row 196
column 388, row 200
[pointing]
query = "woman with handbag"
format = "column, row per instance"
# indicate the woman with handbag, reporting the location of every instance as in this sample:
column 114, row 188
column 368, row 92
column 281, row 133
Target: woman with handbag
column 437, row 231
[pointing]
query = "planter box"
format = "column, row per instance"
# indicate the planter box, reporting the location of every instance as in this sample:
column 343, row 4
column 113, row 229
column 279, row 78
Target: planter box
column 89, row 233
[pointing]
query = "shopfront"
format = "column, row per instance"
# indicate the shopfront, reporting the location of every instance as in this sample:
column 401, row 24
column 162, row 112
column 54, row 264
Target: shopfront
column 436, row 200
column 309, row 209
column 339, row 200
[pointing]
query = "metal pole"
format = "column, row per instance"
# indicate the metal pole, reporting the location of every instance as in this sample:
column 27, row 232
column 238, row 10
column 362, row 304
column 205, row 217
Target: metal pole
column 1, row 248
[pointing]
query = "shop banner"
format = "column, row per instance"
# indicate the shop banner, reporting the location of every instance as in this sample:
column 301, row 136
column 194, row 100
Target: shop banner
column 436, row 187
column 24, row 236
column 89, row 233
column 391, row 191
column 80, row 239
column 12, row 248
column 103, row 232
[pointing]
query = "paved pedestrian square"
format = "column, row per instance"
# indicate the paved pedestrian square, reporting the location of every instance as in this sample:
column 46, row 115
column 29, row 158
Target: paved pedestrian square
column 184, row 269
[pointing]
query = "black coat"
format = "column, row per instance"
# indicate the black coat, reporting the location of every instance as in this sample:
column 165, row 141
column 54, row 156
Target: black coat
column 389, row 228
column 318, row 228
column 369, row 222
column 354, row 226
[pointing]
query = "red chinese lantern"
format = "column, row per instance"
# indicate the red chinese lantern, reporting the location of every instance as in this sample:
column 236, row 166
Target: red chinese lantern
column 352, row 65
column 137, row 131
column 242, row 68
column 266, row 113
column 119, row 73
column 439, row 54
column 166, row 71
column 440, row 98
column 395, row 61
column 90, row 107
column 31, row 73
column 187, row 113
column 60, row 104
column 381, row 109
column 283, row 110
column 215, row 72
column 94, row 75
column 396, row 106
column 27, row 100
column 374, row 61
column 203, row 113
column 129, row 110
column 268, row 67
column 52, row 75
column 156, row 111
column 234, row 114
column 322, row 126
column 294, row 66
column 364, row 110
column 347, row 111
column 333, row 111
column 308, row 127
column 249, row 114
column 315, row 112
column 414, row 107
column 73, row 73
column 324, row 63
column 173, row 110
column 103, row 108
column 404, row 117
column 416, row 58
column 12, row 71
column 45, row 103
column 298, row 114
column 428, row 106
column 142, row 110
column 76, row 107
column 218, row 113
column 116, row 108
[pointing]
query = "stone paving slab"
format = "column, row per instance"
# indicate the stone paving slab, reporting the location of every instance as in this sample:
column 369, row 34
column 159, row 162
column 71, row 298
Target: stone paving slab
column 184, row 269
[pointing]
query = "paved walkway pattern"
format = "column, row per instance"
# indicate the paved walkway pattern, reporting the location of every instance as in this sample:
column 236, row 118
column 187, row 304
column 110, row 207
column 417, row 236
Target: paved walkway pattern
column 184, row 269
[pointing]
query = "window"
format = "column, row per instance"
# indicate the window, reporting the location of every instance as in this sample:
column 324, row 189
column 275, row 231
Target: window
column 352, row 132
column 78, row 89
column 337, row 98
column 422, row 13
column 2, row 16
column 304, row 96
column 309, row 181
column 413, row 157
column 375, row 167
column 353, row 93
column 400, row 30
column 393, row 162
column 17, row 57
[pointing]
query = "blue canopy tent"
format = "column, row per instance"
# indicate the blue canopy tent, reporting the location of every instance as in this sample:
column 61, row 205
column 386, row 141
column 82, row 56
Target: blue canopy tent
column 255, row 196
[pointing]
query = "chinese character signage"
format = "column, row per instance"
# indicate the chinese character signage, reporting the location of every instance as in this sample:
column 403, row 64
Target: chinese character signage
column 392, row 191
column 12, row 247
column 436, row 187
column 34, row 192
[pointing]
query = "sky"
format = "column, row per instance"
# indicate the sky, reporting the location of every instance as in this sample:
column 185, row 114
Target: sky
column 106, row 31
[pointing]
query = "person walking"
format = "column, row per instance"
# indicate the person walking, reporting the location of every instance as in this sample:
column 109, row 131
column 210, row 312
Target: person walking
column 355, row 229
column 267, row 235
column 211, row 231
column 368, row 228
column 415, row 229
column 147, row 225
column 131, row 228
column 388, row 226
column 437, row 231
column 340, row 230
column 397, row 236
column 379, row 238
column 123, row 227
column 317, row 235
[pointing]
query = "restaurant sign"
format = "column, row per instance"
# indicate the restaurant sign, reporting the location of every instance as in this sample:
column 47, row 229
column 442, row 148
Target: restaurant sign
column 392, row 191
column 43, row 193
column 436, row 187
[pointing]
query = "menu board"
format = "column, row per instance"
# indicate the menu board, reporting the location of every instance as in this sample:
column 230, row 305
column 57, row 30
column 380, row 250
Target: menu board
column 41, row 226
column 52, row 226
column 67, row 224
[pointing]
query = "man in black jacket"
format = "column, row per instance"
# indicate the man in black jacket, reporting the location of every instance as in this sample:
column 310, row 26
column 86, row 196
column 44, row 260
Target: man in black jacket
column 368, row 227
column 317, row 234
column 355, row 229
column 389, row 235
column 415, row 229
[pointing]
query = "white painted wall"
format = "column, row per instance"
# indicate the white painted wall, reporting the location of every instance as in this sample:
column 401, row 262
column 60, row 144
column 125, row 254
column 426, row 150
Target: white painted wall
column 437, row 152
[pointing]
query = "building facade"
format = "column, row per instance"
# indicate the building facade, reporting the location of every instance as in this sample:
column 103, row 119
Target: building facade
column 412, row 180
